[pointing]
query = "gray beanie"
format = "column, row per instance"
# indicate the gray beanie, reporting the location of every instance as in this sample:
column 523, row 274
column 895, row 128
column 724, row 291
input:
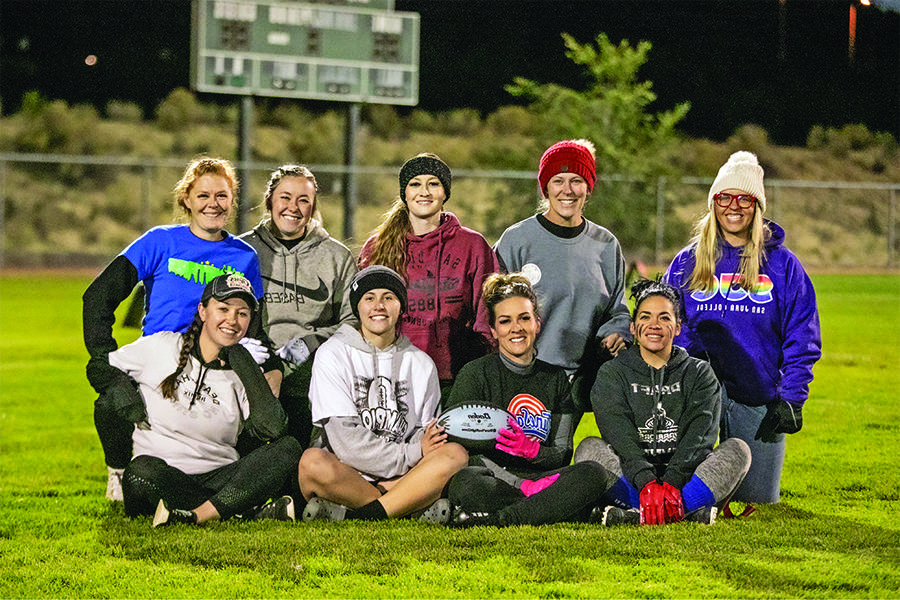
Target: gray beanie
column 741, row 172
column 376, row 277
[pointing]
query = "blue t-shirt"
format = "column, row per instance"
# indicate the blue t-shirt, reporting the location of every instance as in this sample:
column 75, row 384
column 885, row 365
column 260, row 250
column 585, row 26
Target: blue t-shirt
column 175, row 266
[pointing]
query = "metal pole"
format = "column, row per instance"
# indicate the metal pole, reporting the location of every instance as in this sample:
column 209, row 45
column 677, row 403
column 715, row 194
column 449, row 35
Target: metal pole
column 2, row 212
column 245, row 133
column 146, row 212
column 350, row 133
column 892, row 227
column 660, row 218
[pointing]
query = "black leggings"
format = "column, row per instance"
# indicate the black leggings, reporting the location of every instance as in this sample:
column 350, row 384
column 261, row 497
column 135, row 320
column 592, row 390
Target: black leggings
column 571, row 497
column 233, row 489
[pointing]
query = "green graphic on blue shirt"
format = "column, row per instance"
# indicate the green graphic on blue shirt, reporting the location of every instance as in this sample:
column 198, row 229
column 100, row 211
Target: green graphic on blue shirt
column 199, row 272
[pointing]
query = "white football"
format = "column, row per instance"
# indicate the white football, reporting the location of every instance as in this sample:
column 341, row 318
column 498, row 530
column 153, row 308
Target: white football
column 475, row 426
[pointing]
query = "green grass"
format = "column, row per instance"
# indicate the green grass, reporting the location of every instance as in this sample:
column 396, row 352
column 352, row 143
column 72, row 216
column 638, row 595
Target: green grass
column 836, row 533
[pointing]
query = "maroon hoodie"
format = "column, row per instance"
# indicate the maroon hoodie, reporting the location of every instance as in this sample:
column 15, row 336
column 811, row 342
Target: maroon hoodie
column 444, row 273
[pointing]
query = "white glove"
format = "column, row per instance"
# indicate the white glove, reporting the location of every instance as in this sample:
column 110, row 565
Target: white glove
column 256, row 349
column 295, row 351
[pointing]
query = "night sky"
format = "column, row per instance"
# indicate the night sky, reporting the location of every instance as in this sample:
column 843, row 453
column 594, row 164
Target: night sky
column 730, row 58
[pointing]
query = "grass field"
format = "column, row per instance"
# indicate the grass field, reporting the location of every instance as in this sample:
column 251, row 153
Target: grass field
column 836, row 533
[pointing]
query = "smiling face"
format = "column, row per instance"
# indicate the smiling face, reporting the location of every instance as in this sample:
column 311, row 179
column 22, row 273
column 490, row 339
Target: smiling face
column 379, row 310
column 515, row 328
column 566, row 195
column 425, row 198
column 734, row 221
column 209, row 201
column 293, row 204
column 224, row 324
column 654, row 328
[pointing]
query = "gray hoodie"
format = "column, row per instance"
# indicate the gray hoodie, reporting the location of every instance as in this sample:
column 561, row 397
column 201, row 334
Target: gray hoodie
column 662, row 423
column 306, row 287
column 373, row 404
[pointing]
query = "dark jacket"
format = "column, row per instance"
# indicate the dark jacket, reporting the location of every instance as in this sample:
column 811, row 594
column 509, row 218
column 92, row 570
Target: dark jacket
column 662, row 423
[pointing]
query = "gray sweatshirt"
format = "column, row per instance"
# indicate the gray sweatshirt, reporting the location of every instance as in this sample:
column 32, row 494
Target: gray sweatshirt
column 373, row 404
column 306, row 287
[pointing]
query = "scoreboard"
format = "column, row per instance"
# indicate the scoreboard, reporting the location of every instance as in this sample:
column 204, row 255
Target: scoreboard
column 353, row 51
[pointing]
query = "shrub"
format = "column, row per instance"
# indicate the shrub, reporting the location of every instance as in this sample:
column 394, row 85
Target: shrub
column 126, row 112
column 508, row 120
column 180, row 110
column 751, row 138
column 383, row 121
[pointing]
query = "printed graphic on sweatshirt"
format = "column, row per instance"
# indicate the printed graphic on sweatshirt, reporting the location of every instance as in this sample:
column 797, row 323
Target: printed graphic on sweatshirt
column 382, row 407
column 726, row 288
column 196, row 398
column 201, row 273
column 666, row 432
column 532, row 416
column 421, row 292
column 294, row 293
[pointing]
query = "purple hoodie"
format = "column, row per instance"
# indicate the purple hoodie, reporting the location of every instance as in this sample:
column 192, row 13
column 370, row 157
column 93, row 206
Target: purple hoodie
column 761, row 345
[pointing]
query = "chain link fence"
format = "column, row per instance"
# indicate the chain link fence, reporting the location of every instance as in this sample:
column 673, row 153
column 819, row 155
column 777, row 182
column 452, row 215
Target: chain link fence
column 81, row 211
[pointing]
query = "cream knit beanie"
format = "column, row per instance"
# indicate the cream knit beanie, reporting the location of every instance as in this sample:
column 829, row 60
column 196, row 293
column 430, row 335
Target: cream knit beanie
column 742, row 172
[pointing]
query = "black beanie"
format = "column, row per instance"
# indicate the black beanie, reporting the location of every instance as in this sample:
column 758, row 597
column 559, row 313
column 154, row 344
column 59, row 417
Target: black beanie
column 376, row 277
column 425, row 165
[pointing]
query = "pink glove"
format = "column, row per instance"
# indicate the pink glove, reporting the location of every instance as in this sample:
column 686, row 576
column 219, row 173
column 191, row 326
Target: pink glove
column 530, row 488
column 653, row 510
column 515, row 441
column 672, row 503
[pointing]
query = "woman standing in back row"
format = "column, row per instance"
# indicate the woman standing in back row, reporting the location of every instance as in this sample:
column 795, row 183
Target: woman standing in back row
column 307, row 276
column 444, row 265
column 751, row 311
column 576, row 267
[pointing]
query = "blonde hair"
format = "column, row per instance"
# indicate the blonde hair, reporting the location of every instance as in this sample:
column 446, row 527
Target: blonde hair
column 197, row 168
column 282, row 173
column 501, row 286
column 708, row 250
column 389, row 248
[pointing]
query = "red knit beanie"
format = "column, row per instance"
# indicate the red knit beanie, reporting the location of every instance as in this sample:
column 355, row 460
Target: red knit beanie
column 568, row 156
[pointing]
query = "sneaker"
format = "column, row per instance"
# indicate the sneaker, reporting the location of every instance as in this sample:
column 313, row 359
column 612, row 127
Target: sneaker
column 167, row 516
column 705, row 515
column 613, row 516
column 438, row 513
column 114, row 484
column 280, row 509
column 463, row 519
column 320, row 509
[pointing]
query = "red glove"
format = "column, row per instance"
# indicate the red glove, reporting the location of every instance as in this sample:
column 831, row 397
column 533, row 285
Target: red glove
column 674, row 506
column 515, row 441
column 530, row 488
column 653, row 510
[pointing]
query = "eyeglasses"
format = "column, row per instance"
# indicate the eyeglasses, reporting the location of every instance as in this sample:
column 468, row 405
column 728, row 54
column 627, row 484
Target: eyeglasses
column 725, row 199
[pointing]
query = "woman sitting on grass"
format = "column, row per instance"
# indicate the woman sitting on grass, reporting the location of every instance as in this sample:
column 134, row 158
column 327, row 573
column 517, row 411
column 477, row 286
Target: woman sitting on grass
column 657, row 410
column 200, row 389
column 375, row 396
column 527, row 479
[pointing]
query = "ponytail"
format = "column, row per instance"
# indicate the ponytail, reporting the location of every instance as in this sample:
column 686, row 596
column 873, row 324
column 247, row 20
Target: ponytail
column 390, row 239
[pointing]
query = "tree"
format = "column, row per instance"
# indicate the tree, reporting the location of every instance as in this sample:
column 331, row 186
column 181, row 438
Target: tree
column 633, row 144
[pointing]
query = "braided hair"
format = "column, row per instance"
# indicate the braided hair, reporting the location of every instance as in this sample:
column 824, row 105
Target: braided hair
column 645, row 288
column 188, row 341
